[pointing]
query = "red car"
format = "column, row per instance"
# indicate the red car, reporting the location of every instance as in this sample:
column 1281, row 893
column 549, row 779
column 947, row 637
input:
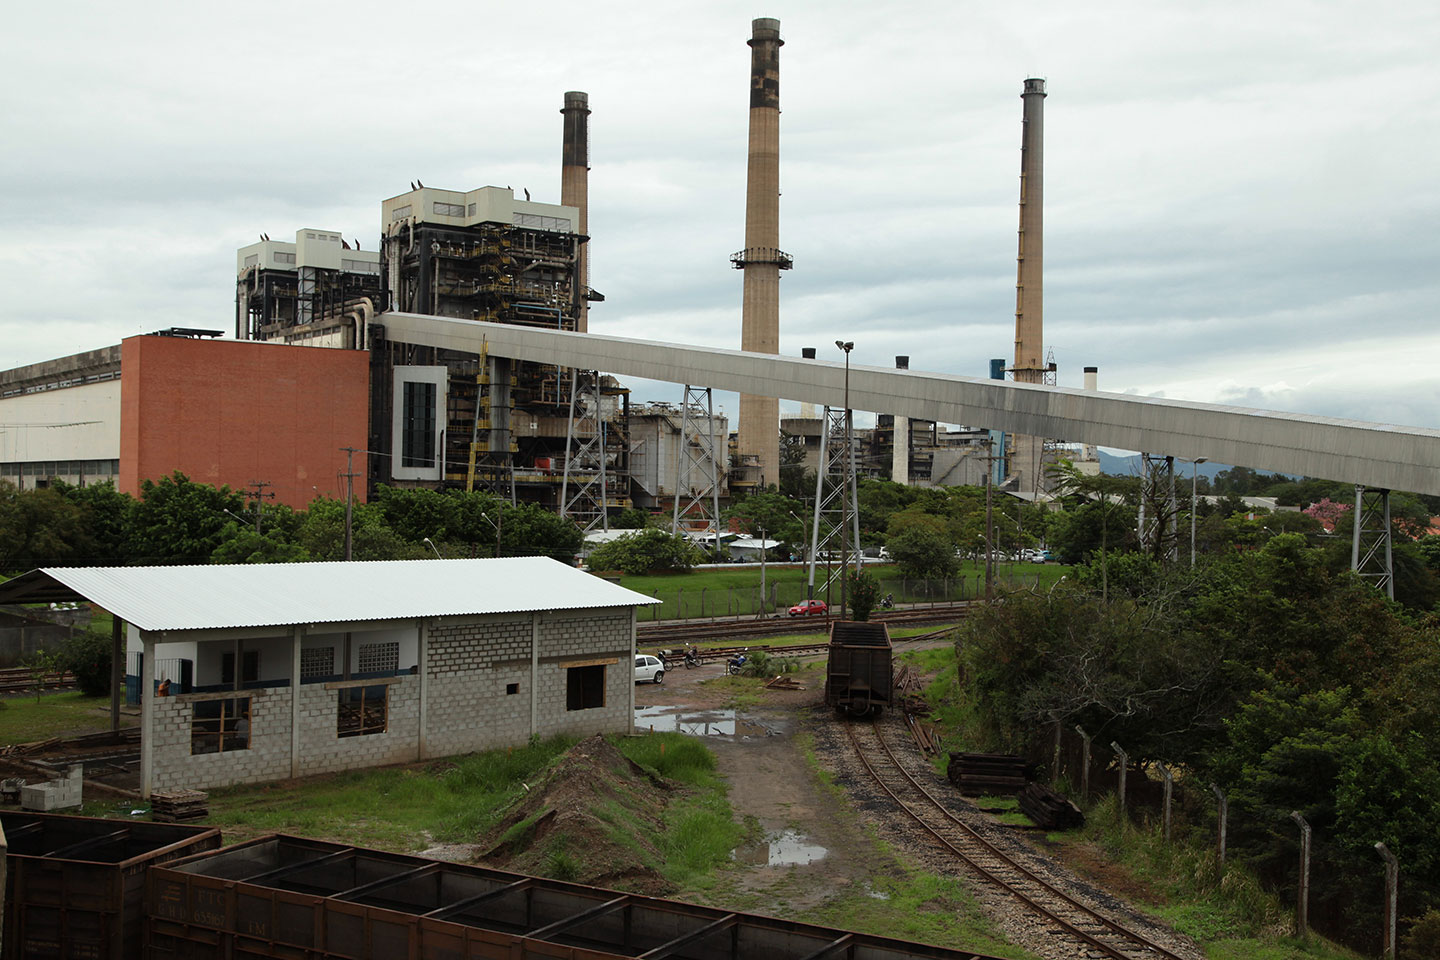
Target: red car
column 806, row 607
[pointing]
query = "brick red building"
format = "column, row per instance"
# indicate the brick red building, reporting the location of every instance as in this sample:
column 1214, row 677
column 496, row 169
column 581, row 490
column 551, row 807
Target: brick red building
column 236, row 412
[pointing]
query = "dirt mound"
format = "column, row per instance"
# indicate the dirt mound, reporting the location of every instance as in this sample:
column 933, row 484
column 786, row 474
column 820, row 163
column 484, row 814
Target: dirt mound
column 595, row 817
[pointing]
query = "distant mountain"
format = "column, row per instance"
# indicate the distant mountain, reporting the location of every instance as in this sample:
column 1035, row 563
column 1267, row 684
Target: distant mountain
column 1129, row 466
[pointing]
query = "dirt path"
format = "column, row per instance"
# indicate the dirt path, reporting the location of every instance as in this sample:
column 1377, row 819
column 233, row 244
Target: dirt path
column 817, row 843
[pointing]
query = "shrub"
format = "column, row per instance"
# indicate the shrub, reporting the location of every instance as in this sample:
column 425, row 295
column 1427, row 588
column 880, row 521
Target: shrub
column 88, row 657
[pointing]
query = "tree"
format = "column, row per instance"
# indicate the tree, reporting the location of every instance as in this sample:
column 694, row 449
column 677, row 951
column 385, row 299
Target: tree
column 864, row 593
column 631, row 518
column 533, row 530
column 322, row 534
column 106, row 515
column 644, row 551
column 771, row 511
column 920, row 547
column 39, row 528
column 179, row 521
column 246, row 546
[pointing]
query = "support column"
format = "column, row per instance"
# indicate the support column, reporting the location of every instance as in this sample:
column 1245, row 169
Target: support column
column 535, row 674
column 117, row 670
column 422, row 644
column 631, row 661
column 297, row 633
column 147, row 714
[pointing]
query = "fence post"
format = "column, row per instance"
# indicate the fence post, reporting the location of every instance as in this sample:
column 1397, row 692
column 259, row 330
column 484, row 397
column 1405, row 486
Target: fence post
column 1302, row 899
column 702, row 601
column 1124, row 764
column 1392, row 884
column 1084, row 762
column 1169, row 789
column 1224, row 817
column 679, row 603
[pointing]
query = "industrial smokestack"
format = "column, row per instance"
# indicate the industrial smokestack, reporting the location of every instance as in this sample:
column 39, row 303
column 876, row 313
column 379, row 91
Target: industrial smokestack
column 1029, row 278
column 900, row 448
column 575, row 190
column 762, row 260
column 1092, row 383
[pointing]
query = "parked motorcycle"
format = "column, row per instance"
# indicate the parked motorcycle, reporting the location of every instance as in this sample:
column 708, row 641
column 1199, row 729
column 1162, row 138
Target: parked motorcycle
column 735, row 663
column 692, row 659
column 887, row 601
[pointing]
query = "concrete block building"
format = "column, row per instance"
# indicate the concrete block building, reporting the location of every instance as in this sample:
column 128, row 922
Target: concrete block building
column 259, row 672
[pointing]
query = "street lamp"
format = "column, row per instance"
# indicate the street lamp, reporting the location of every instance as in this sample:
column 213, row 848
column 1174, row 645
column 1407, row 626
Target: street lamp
column 1194, row 469
column 431, row 544
column 846, row 346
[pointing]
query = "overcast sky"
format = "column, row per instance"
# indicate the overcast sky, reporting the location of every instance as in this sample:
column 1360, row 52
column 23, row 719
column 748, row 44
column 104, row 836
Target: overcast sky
column 1241, row 198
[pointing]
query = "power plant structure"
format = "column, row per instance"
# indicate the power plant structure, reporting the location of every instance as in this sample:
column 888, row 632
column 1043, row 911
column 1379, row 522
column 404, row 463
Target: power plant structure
column 758, row 444
column 438, row 418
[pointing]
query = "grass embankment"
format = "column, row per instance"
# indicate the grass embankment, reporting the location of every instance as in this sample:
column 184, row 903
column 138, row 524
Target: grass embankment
column 735, row 591
column 407, row 809
column 1227, row 912
column 67, row 714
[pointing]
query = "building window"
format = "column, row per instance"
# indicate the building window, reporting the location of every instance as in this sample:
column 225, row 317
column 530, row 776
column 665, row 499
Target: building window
column 253, row 259
column 448, row 209
column 220, row 726
column 472, row 209
column 417, row 437
column 250, row 672
column 400, row 213
column 559, row 224
column 511, row 689
column 316, row 662
column 585, row 687
column 363, row 711
column 282, row 257
column 379, row 657
column 359, row 266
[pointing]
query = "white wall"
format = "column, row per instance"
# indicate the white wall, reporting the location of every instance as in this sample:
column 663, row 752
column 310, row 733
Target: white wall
column 73, row 423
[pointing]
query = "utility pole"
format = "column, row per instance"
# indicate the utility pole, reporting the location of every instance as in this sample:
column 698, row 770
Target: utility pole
column 258, row 494
column 349, row 493
column 846, row 346
column 989, row 541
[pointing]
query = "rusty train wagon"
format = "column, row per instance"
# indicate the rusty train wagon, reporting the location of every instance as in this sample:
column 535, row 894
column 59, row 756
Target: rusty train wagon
column 287, row 897
column 858, row 677
column 75, row 886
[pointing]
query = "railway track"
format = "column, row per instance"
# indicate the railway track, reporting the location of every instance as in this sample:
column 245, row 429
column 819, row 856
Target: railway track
column 1100, row 935
column 21, row 680
column 692, row 630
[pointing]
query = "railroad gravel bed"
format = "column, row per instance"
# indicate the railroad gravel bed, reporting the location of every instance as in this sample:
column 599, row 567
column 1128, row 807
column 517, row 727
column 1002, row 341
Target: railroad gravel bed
column 1016, row 921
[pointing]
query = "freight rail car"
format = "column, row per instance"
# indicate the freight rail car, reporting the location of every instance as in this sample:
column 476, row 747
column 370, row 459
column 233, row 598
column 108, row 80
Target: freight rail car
column 858, row 676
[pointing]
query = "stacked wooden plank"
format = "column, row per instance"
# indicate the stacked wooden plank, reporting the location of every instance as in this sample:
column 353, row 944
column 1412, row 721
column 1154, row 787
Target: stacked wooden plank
column 1048, row 809
column 179, row 806
column 980, row 773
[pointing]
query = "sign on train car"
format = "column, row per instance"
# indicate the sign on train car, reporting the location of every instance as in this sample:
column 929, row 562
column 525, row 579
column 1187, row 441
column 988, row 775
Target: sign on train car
column 858, row 677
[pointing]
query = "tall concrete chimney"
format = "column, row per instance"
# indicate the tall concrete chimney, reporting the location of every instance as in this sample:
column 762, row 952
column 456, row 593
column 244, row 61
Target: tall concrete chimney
column 1029, row 278
column 1027, row 452
column 575, row 189
column 900, row 448
column 1092, row 384
column 762, row 260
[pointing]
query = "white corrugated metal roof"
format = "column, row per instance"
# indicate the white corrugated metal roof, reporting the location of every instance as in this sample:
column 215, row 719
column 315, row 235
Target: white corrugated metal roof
column 278, row 594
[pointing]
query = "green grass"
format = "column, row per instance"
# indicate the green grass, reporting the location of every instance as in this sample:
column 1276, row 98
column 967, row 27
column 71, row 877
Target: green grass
column 393, row 808
column 1226, row 911
column 736, row 591
column 67, row 714
column 917, row 906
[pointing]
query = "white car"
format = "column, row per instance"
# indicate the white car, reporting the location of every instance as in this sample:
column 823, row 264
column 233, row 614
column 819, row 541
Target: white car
column 649, row 669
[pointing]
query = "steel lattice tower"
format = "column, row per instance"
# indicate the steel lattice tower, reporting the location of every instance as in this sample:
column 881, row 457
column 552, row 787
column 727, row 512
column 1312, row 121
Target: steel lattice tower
column 697, row 486
column 834, row 482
